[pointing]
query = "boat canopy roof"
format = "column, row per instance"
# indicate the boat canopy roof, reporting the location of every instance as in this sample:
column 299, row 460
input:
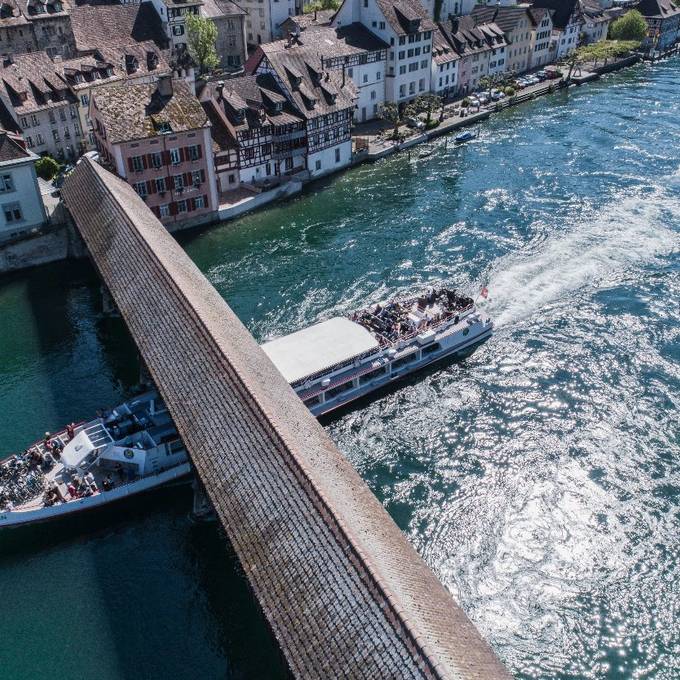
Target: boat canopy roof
column 77, row 450
column 318, row 347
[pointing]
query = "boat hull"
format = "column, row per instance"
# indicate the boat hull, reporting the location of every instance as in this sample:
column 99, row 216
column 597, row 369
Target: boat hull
column 457, row 349
column 174, row 475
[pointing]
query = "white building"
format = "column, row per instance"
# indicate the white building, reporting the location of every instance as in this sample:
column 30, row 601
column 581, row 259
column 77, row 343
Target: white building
column 264, row 19
column 456, row 8
column 541, row 48
column 21, row 205
column 567, row 18
column 444, row 65
column 406, row 27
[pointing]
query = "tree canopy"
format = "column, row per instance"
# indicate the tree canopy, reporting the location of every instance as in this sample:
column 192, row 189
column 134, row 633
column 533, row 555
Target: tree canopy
column 601, row 51
column 631, row 26
column 46, row 167
column 201, row 41
column 317, row 5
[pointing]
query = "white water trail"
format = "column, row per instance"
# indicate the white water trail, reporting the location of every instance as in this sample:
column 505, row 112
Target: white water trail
column 628, row 231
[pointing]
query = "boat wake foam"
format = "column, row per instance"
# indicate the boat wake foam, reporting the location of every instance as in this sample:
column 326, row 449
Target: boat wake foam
column 628, row 231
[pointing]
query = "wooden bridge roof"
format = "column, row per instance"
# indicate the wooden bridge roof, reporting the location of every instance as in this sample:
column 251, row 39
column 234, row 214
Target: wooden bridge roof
column 344, row 592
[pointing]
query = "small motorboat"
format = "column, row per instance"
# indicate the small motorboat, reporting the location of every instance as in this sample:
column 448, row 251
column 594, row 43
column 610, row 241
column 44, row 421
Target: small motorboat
column 425, row 153
column 465, row 136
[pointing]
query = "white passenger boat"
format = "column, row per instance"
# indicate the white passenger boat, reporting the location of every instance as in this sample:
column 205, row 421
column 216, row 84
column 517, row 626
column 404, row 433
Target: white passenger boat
column 135, row 447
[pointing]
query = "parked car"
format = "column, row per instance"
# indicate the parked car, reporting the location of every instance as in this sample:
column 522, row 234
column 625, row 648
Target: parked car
column 553, row 74
column 415, row 123
column 483, row 98
column 497, row 95
column 541, row 75
column 474, row 100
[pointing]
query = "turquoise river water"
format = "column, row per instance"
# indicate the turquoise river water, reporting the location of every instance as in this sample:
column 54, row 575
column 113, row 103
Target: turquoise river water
column 540, row 478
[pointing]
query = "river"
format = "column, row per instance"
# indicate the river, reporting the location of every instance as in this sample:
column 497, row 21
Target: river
column 539, row 478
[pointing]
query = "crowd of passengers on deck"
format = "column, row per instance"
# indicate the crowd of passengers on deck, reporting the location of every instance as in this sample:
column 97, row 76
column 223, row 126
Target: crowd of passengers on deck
column 398, row 320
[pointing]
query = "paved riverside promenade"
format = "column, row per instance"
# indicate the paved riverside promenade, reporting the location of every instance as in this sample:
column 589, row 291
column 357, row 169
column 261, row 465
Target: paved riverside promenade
column 343, row 591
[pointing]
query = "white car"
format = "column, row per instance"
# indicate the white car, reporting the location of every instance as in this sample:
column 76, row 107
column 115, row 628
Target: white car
column 483, row 99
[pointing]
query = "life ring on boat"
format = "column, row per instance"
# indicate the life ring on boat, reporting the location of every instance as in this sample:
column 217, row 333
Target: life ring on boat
column 129, row 454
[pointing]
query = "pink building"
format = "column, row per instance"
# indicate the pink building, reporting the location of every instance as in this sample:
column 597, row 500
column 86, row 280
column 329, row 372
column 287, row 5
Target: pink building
column 157, row 137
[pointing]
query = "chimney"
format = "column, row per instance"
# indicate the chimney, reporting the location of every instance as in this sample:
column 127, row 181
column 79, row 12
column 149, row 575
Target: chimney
column 343, row 75
column 165, row 85
column 220, row 89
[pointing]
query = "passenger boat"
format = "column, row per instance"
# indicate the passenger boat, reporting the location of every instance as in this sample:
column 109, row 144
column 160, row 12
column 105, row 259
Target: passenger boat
column 135, row 447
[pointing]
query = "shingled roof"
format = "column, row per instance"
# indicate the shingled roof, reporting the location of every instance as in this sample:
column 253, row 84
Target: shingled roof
column 506, row 18
column 116, row 26
column 405, row 16
column 658, row 9
column 11, row 150
column 344, row 592
column 563, row 10
column 314, row 90
column 138, row 111
column 32, row 82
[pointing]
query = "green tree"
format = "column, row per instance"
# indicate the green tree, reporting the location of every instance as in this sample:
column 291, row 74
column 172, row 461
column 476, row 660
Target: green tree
column 631, row 26
column 46, row 167
column 426, row 103
column 389, row 111
column 319, row 5
column 201, row 41
column 598, row 52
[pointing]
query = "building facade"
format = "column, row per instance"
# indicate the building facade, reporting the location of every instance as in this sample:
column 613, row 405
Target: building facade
column 406, row 27
column 157, row 137
column 663, row 20
column 33, row 93
column 265, row 18
column 567, row 18
column 230, row 21
column 542, row 45
column 21, row 206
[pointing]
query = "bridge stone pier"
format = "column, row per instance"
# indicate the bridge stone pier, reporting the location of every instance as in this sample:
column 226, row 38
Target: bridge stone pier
column 342, row 589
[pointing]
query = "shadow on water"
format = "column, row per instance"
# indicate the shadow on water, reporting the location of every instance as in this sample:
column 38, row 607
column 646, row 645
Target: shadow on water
column 162, row 596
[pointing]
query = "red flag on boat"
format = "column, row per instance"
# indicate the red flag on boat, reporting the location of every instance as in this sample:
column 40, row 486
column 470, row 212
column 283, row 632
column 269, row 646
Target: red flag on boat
column 484, row 292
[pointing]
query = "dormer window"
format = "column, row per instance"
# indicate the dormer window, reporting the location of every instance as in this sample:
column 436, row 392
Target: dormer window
column 278, row 107
column 131, row 63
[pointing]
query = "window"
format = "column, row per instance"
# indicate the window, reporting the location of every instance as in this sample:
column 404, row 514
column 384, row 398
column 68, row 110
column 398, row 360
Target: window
column 423, row 63
column 6, row 183
column 402, row 54
column 156, row 160
column 55, row 134
column 24, row 123
column 317, row 165
column 378, row 76
column 181, row 206
column 337, row 155
column 365, row 79
column 373, row 95
column 413, row 66
column 421, row 85
column 412, row 87
column 34, row 120
column 137, row 163
column 62, row 114
column 199, row 202
column 197, row 178
column 402, row 69
column 174, row 156
column 194, row 152
column 140, row 188
column 381, row 25
column 12, row 213
column 179, row 182
column 29, row 142
column 40, row 139
column 164, row 210
column 84, row 100
column 160, row 185
column 402, row 91
column 178, row 29
column 51, row 116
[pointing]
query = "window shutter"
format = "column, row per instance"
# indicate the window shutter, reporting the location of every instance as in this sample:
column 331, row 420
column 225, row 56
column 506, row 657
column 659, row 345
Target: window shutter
column 188, row 180
column 151, row 186
column 144, row 163
column 156, row 211
column 170, row 181
column 182, row 154
column 130, row 166
column 205, row 200
column 192, row 204
column 202, row 175
column 165, row 157
column 173, row 208
column 200, row 150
